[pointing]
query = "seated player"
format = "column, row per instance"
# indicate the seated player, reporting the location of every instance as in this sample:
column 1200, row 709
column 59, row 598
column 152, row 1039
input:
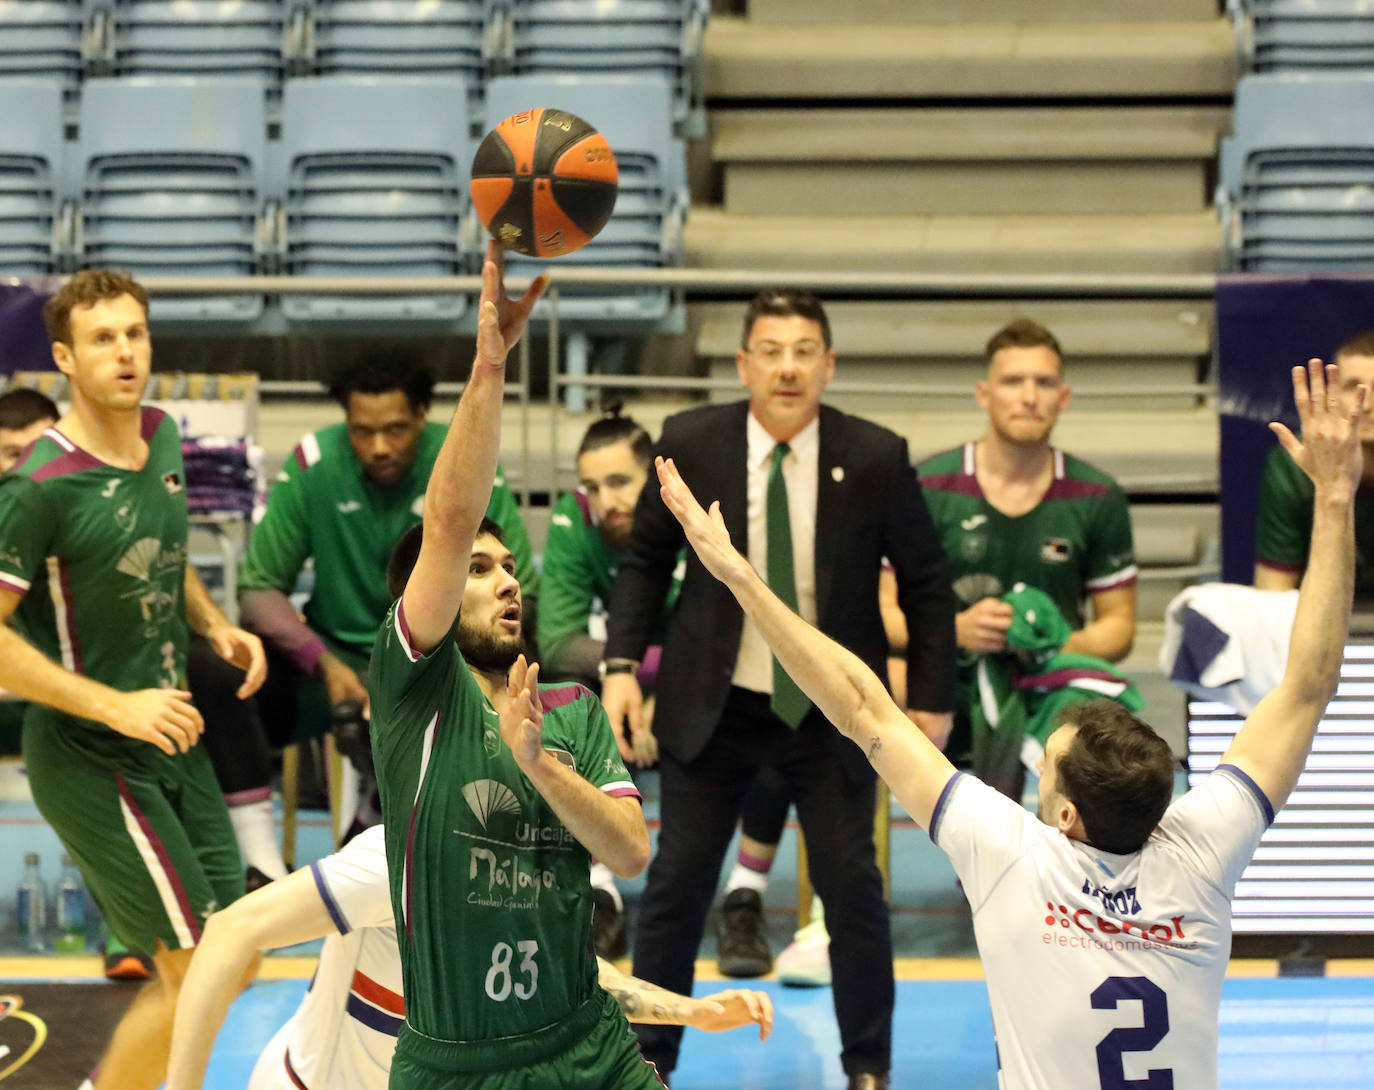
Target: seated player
column 24, row 416
column 346, row 494
column 1283, row 522
column 344, row 1032
column 1104, row 920
column 588, row 533
column 1012, row 509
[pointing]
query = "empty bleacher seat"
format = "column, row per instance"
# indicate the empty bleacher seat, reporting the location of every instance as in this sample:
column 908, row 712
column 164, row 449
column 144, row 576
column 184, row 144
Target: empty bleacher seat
column 645, row 229
column 1304, row 35
column 614, row 37
column 376, row 185
column 193, row 37
column 400, row 37
column 41, row 39
column 31, row 172
column 1298, row 174
column 171, row 177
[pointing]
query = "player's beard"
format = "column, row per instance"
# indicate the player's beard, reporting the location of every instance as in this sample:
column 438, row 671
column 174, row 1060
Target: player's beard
column 489, row 651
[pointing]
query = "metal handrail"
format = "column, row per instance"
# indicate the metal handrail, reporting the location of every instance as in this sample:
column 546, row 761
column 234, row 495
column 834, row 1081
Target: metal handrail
column 1194, row 286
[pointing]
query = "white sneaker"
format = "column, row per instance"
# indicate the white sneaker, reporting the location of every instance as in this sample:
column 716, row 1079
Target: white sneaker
column 806, row 962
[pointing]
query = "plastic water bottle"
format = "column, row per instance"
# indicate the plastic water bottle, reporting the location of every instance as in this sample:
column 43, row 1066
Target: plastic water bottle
column 31, row 905
column 71, row 910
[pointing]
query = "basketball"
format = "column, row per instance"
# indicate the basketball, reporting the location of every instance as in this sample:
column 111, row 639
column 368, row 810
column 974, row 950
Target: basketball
column 544, row 182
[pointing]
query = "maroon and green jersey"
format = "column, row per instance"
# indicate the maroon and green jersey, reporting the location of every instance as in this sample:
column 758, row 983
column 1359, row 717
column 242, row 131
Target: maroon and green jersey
column 491, row 894
column 1075, row 542
column 99, row 556
column 1283, row 524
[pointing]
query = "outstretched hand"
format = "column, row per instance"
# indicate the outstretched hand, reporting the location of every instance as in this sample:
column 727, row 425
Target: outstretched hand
column 501, row 321
column 522, row 719
column 1329, row 451
column 730, row 1009
column 706, row 531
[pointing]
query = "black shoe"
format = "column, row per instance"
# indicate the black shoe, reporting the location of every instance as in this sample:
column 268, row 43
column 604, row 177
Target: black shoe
column 253, row 879
column 608, row 927
column 742, row 947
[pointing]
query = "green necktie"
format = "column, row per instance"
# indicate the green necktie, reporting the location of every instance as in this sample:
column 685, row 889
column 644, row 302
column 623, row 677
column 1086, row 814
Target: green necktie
column 789, row 703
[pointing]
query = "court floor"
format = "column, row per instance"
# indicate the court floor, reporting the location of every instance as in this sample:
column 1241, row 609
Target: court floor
column 1294, row 1033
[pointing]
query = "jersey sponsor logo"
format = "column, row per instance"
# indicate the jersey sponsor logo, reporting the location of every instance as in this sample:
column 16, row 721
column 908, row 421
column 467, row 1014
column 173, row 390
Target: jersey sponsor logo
column 491, row 742
column 501, row 871
column 976, row 586
column 125, row 517
column 349, row 506
column 490, row 799
column 172, row 482
column 1056, row 550
column 972, row 522
column 109, row 490
column 973, row 547
column 158, row 571
column 11, row 559
column 562, row 520
column 504, row 880
column 1087, row 928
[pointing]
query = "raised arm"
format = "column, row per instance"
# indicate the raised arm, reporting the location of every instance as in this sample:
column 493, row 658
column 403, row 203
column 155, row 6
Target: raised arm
column 281, row 913
column 847, row 692
column 460, row 483
column 1272, row 745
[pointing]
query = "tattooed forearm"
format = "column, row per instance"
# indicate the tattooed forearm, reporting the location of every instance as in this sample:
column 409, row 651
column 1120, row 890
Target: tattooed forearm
column 874, row 746
column 647, row 1003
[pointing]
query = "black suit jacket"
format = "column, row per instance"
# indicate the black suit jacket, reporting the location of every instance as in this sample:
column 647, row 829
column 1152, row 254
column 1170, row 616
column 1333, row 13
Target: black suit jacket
column 868, row 506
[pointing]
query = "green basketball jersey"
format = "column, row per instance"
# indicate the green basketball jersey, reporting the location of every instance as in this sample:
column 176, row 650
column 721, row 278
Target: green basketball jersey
column 579, row 571
column 99, row 555
column 1283, row 524
column 1074, row 542
column 324, row 506
column 491, row 893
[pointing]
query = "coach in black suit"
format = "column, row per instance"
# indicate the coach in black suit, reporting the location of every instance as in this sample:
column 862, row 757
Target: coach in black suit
column 815, row 498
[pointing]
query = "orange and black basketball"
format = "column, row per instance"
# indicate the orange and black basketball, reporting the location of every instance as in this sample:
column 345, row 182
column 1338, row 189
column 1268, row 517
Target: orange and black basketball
column 544, row 182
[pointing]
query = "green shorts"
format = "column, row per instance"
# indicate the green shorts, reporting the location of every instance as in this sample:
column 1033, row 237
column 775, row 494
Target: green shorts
column 594, row 1048
column 150, row 833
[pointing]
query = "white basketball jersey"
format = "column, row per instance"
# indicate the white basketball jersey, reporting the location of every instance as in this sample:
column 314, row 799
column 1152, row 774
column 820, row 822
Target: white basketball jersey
column 1104, row 971
column 344, row 1033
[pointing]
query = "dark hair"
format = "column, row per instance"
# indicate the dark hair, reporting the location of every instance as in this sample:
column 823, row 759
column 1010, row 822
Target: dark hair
column 85, row 289
column 21, row 407
column 407, row 550
column 784, row 303
column 613, row 428
column 1118, row 772
column 1361, row 344
column 1023, row 333
column 382, row 372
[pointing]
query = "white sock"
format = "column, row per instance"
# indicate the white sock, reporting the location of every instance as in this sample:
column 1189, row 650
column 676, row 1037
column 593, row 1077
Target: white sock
column 743, row 877
column 257, row 837
column 604, row 880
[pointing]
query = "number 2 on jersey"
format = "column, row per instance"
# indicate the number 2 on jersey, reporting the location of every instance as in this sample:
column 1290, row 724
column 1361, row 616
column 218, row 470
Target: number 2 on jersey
column 500, row 983
column 1154, row 1008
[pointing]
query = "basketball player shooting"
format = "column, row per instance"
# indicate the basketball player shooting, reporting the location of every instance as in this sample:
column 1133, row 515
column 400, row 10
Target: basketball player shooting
column 1103, row 921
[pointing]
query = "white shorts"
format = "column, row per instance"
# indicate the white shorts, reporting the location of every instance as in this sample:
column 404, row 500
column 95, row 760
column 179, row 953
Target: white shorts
column 269, row 1073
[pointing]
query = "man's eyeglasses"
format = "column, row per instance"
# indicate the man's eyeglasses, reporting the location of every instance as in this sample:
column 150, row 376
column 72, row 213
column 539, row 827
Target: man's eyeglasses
column 803, row 352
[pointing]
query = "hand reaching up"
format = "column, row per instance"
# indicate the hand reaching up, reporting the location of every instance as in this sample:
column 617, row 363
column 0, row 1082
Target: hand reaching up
column 1329, row 451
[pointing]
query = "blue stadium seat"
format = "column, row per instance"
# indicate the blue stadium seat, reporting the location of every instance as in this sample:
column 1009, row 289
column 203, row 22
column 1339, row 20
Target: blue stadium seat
column 614, row 37
column 1304, row 35
column 1297, row 176
column 171, row 176
column 41, row 40
column 376, row 186
column 31, row 175
column 194, row 37
column 401, row 37
column 645, row 230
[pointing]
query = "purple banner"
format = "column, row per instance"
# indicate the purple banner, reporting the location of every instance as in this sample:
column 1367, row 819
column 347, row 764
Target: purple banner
column 24, row 342
column 1265, row 325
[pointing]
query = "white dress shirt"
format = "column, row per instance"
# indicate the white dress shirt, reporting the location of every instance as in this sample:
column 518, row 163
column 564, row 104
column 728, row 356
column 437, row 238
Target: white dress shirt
column 754, row 666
